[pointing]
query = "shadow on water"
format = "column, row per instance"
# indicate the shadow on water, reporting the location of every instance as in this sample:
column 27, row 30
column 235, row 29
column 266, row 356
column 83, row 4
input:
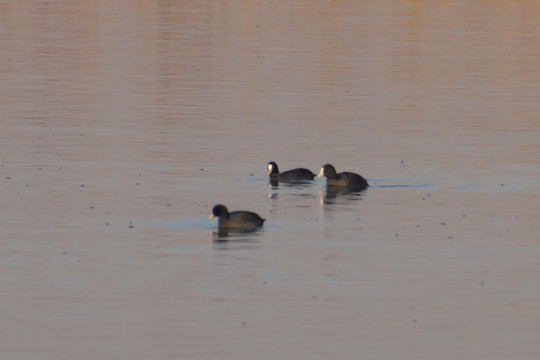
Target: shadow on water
column 333, row 194
column 380, row 183
column 246, row 236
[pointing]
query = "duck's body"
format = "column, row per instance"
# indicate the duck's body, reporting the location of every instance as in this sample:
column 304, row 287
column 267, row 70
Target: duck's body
column 299, row 174
column 343, row 179
column 236, row 219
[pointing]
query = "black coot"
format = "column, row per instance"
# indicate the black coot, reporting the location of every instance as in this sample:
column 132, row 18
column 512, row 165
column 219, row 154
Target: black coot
column 344, row 179
column 236, row 219
column 299, row 174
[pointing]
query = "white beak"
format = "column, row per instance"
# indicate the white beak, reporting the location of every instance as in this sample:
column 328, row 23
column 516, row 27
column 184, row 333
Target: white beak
column 211, row 216
column 269, row 168
column 321, row 174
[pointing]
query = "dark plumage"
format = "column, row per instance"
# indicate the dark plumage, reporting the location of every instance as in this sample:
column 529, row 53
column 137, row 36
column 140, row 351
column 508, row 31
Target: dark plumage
column 344, row 179
column 236, row 219
column 298, row 174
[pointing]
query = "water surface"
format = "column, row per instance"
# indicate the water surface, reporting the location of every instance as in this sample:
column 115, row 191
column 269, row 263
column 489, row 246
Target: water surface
column 123, row 123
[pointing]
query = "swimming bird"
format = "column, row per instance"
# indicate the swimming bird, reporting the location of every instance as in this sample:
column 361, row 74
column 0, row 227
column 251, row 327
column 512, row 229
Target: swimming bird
column 298, row 174
column 239, row 220
column 344, row 179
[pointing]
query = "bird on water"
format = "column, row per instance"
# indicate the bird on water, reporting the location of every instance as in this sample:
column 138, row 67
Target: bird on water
column 236, row 219
column 344, row 179
column 298, row 174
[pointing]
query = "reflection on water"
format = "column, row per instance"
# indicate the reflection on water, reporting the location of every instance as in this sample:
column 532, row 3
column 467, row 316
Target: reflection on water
column 293, row 188
column 247, row 237
column 292, row 183
column 333, row 192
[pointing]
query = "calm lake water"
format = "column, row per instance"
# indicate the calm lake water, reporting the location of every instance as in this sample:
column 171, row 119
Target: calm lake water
column 122, row 123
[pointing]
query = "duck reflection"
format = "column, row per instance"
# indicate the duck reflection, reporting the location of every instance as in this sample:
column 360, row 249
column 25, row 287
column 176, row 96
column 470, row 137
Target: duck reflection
column 334, row 193
column 274, row 184
column 289, row 188
column 237, row 235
